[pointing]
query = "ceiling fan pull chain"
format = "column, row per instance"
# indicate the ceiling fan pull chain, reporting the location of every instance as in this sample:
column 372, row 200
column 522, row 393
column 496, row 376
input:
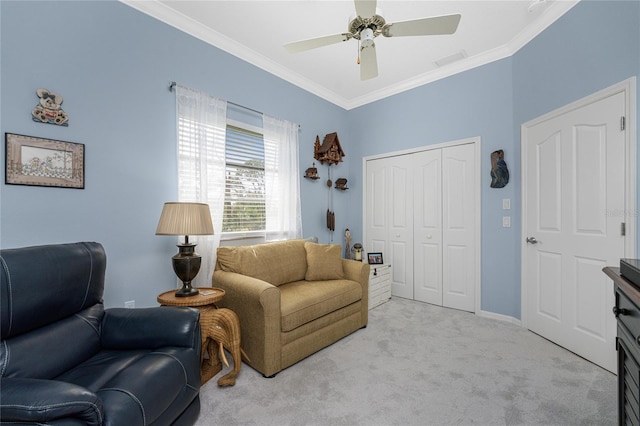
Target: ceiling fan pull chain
column 358, row 52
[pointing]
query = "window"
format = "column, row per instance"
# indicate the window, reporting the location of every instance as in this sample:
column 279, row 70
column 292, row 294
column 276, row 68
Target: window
column 247, row 173
column 244, row 197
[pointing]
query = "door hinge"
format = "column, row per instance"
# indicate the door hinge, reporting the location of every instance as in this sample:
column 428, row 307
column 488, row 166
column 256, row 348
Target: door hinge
column 623, row 124
column 623, row 229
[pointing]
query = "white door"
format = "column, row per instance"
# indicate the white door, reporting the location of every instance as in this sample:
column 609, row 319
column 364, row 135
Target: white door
column 574, row 183
column 421, row 211
column 458, row 227
column 389, row 218
column 427, row 247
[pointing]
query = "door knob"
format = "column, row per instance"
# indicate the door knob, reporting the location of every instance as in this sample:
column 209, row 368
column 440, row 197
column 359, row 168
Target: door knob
column 532, row 240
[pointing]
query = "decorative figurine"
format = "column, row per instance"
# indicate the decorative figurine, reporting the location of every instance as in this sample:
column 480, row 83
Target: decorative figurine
column 49, row 110
column 499, row 171
column 347, row 249
column 357, row 252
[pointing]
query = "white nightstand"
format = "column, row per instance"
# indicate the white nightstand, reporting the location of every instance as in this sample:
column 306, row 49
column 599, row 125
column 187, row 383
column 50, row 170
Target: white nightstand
column 379, row 285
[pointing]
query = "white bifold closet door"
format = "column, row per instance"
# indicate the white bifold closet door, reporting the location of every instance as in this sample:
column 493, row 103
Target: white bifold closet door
column 389, row 218
column 421, row 213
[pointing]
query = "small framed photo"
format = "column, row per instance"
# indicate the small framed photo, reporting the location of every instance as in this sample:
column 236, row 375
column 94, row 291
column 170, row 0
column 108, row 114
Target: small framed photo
column 43, row 162
column 375, row 258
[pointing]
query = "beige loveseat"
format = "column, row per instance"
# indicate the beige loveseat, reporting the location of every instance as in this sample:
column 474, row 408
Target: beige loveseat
column 293, row 298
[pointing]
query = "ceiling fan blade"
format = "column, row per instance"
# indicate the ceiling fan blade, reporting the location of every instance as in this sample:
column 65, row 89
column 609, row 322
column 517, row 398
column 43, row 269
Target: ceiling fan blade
column 302, row 45
column 368, row 63
column 426, row 26
column 365, row 8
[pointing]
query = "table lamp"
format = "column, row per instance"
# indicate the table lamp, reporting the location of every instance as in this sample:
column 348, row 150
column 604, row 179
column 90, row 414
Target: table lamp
column 185, row 219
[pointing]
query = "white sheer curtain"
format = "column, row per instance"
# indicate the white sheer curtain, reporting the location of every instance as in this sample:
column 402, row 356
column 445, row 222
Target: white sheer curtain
column 202, row 122
column 282, row 179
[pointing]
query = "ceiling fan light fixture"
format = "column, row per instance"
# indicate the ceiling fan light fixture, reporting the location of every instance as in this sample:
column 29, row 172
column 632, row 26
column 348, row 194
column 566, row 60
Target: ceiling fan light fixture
column 366, row 38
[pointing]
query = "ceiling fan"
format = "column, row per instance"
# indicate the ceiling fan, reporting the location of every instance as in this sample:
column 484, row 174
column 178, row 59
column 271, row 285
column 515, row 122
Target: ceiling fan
column 369, row 24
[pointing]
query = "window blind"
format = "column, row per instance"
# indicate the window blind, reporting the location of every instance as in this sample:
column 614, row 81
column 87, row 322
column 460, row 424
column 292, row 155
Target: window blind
column 244, row 205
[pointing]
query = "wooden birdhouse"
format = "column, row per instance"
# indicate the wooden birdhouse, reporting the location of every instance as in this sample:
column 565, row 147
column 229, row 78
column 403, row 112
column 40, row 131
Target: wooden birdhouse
column 330, row 151
column 312, row 173
column 341, row 183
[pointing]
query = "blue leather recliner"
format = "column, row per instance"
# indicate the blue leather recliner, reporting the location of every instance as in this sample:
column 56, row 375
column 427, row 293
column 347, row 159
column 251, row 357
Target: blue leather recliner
column 65, row 360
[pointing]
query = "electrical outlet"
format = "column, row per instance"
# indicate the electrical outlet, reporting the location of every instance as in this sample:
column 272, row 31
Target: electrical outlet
column 130, row 304
column 506, row 221
column 506, row 204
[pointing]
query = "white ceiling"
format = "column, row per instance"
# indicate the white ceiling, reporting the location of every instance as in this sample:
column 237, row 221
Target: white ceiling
column 256, row 30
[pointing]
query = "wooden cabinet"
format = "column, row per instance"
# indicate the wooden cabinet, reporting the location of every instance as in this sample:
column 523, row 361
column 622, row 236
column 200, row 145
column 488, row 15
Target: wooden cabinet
column 379, row 285
column 627, row 312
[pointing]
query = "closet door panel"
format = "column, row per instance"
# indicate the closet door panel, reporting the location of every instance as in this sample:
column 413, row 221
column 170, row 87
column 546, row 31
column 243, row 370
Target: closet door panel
column 377, row 196
column 427, row 222
column 458, row 227
column 400, row 234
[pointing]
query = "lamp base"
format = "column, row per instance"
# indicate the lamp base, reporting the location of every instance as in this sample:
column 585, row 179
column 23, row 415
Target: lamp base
column 186, row 265
column 187, row 292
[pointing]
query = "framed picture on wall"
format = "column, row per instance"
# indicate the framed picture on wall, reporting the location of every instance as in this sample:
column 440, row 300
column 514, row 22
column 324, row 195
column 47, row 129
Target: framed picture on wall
column 375, row 258
column 43, row 162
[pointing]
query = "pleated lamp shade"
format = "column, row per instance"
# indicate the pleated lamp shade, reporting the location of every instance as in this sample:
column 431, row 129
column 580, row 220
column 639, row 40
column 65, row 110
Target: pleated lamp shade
column 185, row 219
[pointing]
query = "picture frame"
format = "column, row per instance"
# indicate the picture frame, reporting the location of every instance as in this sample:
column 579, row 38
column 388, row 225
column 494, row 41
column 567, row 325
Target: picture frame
column 375, row 258
column 37, row 161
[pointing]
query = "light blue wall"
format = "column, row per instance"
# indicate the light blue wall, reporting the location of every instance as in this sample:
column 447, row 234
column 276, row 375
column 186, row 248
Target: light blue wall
column 592, row 47
column 113, row 66
column 475, row 103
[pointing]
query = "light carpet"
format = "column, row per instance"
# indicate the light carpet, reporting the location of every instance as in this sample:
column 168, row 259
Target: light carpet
column 419, row 364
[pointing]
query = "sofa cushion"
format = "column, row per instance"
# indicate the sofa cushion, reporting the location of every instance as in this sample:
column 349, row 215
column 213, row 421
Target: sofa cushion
column 323, row 262
column 135, row 386
column 277, row 263
column 48, row 402
column 67, row 343
column 304, row 301
column 43, row 284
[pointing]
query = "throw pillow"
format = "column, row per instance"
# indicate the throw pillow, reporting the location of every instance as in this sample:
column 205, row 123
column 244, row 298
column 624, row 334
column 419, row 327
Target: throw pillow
column 227, row 259
column 323, row 262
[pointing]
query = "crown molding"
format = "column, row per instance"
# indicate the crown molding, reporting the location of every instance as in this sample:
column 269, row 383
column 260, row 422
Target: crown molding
column 550, row 15
column 177, row 20
column 431, row 76
column 169, row 16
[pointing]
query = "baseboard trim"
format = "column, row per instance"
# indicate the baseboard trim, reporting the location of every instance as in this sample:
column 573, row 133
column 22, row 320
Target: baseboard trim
column 500, row 317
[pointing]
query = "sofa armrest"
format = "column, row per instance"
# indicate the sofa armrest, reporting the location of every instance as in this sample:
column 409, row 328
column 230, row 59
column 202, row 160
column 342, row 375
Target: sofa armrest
column 359, row 272
column 257, row 304
column 151, row 328
column 45, row 401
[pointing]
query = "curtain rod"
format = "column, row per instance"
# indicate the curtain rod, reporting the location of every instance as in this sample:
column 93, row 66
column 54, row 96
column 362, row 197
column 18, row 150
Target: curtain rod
column 174, row 84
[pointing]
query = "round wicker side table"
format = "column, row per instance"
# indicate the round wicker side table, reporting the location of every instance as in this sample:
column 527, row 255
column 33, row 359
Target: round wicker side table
column 205, row 301
column 206, row 296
